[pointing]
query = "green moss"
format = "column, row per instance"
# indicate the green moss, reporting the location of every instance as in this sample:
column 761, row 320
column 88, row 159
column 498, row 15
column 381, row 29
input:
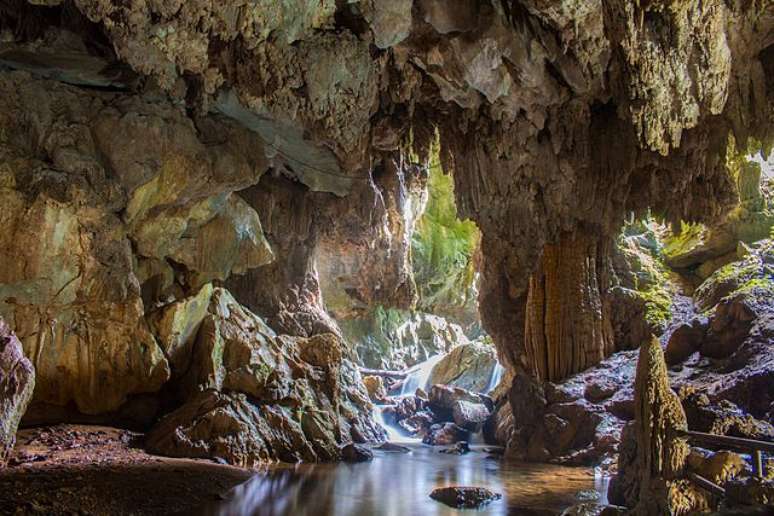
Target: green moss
column 689, row 237
column 756, row 288
column 641, row 245
column 443, row 247
column 658, row 306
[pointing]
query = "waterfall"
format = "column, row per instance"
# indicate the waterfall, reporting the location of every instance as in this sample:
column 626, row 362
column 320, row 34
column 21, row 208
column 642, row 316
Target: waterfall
column 419, row 375
column 494, row 380
column 393, row 434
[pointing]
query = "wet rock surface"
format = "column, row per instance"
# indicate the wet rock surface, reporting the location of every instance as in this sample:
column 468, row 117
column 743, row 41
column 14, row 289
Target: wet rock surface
column 465, row 497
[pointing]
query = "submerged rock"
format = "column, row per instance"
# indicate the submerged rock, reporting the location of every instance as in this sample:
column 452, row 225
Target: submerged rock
column 393, row 448
column 465, row 497
column 461, row 448
column 17, row 381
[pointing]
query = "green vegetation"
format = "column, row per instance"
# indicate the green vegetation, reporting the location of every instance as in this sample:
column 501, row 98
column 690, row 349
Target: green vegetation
column 443, row 248
column 690, row 237
column 640, row 243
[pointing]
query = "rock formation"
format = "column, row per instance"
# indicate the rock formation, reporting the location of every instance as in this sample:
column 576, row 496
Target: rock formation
column 17, row 381
column 652, row 464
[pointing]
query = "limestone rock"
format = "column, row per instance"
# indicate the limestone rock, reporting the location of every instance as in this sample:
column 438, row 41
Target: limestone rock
column 445, row 434
column 17, row 381
column 442, row 399
column 313, row 393
column 468, row 366
column 651, row 464
column 752, row 491
column 684, row 341
column 375, row 387
column 470, row 416
column 718, row 467
column 231, row 428
column 723, row 417
column 356, row 453
column 396, row 340
column 465, row 497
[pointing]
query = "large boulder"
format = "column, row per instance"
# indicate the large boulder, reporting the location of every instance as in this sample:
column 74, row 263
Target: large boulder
column 305, row 389
column 468, row 366
column 229, row 427
column 17, row 381
column 685, row 340
column 470, row 416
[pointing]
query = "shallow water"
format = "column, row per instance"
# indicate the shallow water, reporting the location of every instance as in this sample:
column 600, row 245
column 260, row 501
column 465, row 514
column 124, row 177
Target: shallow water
column 397, row 484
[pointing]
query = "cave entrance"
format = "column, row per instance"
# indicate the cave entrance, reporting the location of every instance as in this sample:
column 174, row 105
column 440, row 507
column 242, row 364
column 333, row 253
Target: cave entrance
column 406, row 299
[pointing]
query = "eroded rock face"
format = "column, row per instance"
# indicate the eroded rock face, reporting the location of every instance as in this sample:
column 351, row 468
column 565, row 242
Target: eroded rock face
column 17, row 381
column 285, row 398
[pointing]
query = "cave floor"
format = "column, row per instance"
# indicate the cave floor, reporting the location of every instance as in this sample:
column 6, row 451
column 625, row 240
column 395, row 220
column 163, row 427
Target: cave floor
column 77, row 469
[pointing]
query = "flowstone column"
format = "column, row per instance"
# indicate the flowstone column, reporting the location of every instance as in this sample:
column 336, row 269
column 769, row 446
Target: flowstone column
column 567, row 327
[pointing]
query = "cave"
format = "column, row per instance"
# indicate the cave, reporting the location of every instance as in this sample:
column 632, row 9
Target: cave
column 386, row 257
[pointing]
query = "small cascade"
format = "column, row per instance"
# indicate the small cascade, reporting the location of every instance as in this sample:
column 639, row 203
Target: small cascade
column 494, row 380
column 419, row 375
column 393, row 434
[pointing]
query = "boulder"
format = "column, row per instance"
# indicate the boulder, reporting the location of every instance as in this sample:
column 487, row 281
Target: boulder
column 375, row 387
column 685, row 341
column 600, row 390
column 461, row 448
column 723, row 417
column 17, row 381
column 215, row 425
column 356, row 453
column 470, row 416
column 465, row 497
column 468, row 366
column 311, row 394
column 442, row 399
column 729, row 326
column 419, row 424
column 752, row 491
column 445, row 434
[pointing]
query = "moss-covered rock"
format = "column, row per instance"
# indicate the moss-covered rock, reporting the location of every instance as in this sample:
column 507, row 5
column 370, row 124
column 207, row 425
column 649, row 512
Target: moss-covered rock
column 754, row 274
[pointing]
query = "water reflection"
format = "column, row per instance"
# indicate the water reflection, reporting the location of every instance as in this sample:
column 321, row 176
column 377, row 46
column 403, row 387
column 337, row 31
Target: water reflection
column 396, row 484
